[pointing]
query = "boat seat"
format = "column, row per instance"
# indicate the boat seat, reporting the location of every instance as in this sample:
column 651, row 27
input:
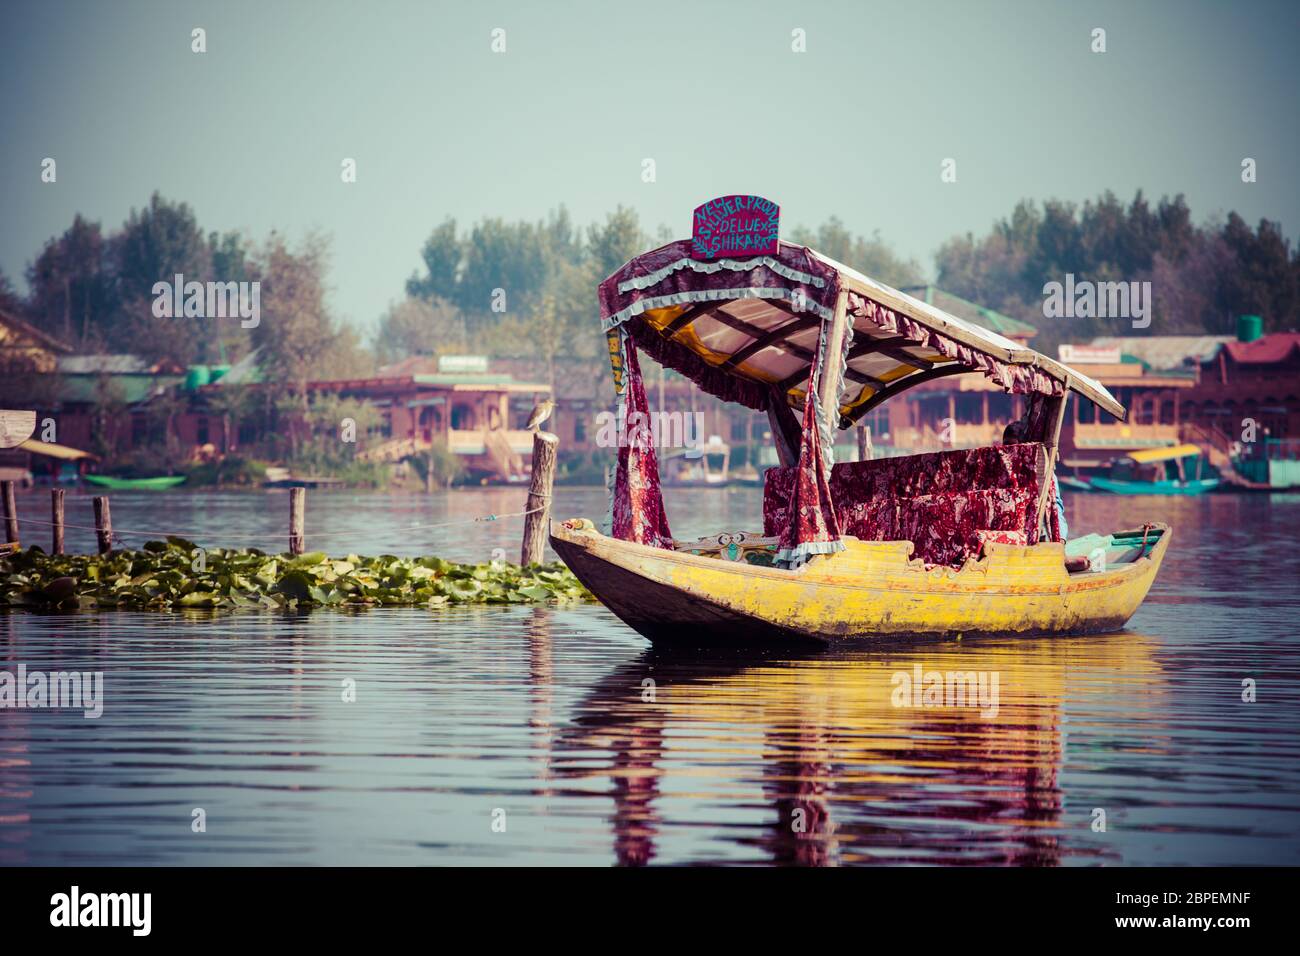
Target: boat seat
column 1122, row 548
column 948, row 503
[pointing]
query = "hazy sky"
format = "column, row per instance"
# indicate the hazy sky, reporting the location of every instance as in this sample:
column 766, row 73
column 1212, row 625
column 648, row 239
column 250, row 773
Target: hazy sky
column 252, row 133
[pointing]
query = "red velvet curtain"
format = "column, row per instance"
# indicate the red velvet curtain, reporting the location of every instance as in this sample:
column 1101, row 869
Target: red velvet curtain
column 946, row 503
column 638, row 506
column 812, row 527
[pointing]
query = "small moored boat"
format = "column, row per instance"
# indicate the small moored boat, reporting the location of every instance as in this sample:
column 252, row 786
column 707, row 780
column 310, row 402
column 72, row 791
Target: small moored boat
column 135, row 484
column 706, row 466
column 953, row 543
column 1179, row 470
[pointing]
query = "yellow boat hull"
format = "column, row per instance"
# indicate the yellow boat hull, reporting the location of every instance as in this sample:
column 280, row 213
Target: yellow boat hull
column 872, row 590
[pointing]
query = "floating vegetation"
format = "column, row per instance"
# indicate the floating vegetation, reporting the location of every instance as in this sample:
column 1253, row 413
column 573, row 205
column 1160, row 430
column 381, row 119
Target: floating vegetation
column 177, row 574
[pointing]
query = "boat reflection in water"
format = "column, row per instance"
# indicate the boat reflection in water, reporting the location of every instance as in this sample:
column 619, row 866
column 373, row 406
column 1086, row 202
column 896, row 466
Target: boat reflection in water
column 816, row 750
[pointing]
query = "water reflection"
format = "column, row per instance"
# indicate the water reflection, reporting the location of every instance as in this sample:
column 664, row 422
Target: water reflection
column 845, row 776
column 546, row 714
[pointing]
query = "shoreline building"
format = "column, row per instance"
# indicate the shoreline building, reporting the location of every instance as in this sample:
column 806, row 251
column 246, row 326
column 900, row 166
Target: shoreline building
column 126, row 410
column 1246, row 405
column 963, row 411
column 1237, row 397
column 1148, row 375
column 454, row 402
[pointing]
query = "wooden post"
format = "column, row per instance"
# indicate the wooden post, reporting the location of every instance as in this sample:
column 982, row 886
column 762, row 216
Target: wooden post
column 862, row 442
column 56, row 520
column 1053, row 449
column 297, row 520
column 103, row 525
column 784, row 427
column 11, row 513
column 537, row 521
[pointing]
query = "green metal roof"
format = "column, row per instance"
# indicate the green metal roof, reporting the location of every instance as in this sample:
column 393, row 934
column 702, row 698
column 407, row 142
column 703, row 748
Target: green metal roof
column 965, row 309
column 465, row 378
column 129, row 388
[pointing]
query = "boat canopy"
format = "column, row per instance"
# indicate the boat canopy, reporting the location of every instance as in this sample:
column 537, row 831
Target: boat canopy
column 773, row 325
column 741, row 327
column 1150, row 456
column 51, row 450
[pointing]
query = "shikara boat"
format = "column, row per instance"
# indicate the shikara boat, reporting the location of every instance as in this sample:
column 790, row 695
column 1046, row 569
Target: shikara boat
column 948, row 544
column 1179, row 470
column 135, row 484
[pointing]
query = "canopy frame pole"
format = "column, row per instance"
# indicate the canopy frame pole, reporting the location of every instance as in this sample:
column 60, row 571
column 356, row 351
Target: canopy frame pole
column 687, row 317
column 785, row 428
column 892, row 346
column 900, row 385
column 853, row 375
column 769, row 339
column 1053, row 451
column 798, row 351
column 830, row 383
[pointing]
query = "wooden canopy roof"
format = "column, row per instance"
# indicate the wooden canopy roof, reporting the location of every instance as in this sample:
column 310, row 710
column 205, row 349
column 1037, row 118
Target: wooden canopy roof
column 760, row 319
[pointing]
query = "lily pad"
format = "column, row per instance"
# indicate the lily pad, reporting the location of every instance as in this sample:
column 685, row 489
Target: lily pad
column 163, row 576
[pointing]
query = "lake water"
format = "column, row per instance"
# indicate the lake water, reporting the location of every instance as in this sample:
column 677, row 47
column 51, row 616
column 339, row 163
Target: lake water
column 555, row 735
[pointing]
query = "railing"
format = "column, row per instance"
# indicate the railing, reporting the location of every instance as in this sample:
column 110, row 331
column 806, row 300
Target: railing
column 1273, row 449
column 1123, row 437
column 1219, row 445
column 1245, row 471
column 470, row 441
column 394, row 450
column 462, row 441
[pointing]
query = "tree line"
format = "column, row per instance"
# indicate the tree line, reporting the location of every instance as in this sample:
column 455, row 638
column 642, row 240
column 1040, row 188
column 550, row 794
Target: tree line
column 527, row 288
column 93, row 289
column 1202, row 276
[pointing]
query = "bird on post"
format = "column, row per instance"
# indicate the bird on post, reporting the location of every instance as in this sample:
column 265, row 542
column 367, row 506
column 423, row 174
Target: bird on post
column 541, row 412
